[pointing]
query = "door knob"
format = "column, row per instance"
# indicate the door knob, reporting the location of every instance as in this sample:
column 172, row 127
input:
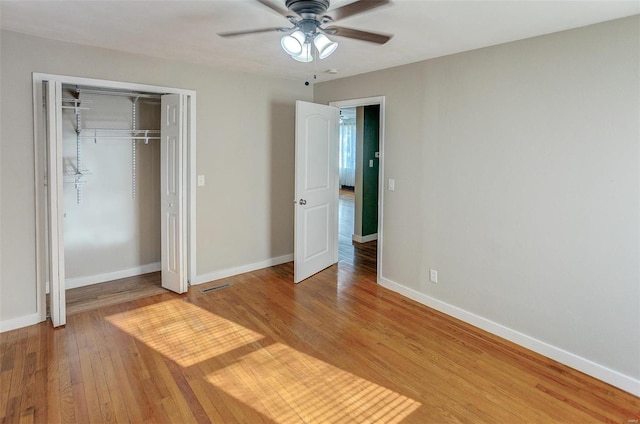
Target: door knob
column 302, row 202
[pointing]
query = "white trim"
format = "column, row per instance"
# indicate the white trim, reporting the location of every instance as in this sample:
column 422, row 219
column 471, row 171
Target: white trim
column 230, row 272
column 19, row 322
column 367, row 101
column 364, row 239
column 73, row 283
column 191, row 189
column 40, row 194
column 615, row 378
column 66, row 79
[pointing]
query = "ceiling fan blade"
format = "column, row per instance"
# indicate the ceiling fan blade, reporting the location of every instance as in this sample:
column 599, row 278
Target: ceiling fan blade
column 354, row 8
column 371, row 37
column 279, row 11
column 251, row 31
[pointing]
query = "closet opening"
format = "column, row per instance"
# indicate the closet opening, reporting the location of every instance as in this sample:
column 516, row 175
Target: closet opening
column 116, row 217
column 111, row 196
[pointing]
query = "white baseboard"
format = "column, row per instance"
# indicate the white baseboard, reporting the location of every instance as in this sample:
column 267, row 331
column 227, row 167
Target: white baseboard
column 24, row 321
column 364, row 239
column 230, row 272
column 73, row 283
column 615, row 378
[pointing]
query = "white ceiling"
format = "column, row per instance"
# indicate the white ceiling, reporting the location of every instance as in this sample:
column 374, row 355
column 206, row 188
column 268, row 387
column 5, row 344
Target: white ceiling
column 186, row 30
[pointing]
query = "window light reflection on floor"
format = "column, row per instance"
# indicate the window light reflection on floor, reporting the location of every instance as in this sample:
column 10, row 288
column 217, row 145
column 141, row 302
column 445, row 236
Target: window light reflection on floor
column 183, row 332
column 275, row 380
column 289, row 386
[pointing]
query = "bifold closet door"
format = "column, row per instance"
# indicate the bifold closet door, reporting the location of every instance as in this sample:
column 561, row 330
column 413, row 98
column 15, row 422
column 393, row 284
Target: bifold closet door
column 173, row 159
column 55, row 211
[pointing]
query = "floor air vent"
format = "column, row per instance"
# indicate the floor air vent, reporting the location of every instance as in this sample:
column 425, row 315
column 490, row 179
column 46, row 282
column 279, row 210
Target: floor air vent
column 214, row 288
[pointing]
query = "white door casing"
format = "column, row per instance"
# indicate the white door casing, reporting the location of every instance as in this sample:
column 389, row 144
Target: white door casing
column 173, row 187
column 55, row 215
column 316, row 189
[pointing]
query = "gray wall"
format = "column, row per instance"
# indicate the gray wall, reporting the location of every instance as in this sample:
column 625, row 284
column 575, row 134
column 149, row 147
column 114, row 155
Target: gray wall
column 517, row 179
column 245, row 147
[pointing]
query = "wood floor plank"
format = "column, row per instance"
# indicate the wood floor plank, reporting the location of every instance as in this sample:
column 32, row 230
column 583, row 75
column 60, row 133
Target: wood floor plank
column 125, row 398
column 212, row 405
column 60, row 373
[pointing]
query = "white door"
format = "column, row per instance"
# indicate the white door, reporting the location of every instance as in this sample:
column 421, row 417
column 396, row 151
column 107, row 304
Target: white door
column 173, row 186
column 55, row 215
column 316, row 189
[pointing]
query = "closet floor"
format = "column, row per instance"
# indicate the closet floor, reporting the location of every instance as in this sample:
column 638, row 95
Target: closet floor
column 113, row 292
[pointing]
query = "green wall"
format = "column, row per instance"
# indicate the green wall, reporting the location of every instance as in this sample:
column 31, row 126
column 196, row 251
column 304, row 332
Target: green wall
column 371, row 132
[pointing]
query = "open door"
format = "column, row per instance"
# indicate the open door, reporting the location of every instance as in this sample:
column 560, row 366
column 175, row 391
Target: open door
column 173, row 159
column 316, row 189
column 55, row 213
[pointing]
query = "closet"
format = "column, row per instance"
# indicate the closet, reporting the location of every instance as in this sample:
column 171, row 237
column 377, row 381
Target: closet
column 111, row 184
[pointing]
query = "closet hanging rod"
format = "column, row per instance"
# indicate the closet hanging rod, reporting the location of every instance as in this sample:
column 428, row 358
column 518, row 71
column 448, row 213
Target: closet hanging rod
column 118, row 93
column 116, row 130
column 120, row 137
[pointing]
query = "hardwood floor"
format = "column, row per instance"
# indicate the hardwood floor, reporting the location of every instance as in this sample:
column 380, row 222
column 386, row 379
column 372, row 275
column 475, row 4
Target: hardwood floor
column 334, row 348
column 113, row 292
column 346, row 205
column 364, row 254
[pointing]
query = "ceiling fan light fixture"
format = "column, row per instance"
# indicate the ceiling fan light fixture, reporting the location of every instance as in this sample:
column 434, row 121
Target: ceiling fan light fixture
column 306, row 55
column 293, row 43
column 324, row 45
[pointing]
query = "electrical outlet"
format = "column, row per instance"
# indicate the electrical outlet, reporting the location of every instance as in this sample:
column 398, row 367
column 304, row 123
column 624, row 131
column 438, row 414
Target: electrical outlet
column 433, row 276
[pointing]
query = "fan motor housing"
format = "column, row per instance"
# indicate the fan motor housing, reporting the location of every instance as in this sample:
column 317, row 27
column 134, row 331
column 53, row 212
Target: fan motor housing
column 307, row 7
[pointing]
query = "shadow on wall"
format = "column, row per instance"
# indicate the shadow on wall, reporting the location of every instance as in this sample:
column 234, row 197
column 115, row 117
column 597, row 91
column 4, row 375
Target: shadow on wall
column 282, row 169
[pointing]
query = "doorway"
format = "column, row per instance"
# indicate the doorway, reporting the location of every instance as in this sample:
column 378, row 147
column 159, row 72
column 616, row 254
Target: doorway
column 177, row 170
column 361, row 177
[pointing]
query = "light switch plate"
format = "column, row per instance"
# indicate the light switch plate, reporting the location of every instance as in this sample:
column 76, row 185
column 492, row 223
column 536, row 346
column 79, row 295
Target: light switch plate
column 391, row 184
column 433, row 275
column 200, row 180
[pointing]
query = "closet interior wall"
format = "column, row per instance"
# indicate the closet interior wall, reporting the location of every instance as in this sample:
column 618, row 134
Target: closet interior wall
column 111, row 187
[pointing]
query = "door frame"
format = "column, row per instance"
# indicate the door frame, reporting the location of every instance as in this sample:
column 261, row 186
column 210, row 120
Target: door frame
column 40, row 171
column 369, row 101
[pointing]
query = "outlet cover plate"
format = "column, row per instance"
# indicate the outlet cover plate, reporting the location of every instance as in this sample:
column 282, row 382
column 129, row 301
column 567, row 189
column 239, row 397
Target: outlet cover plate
column 433, row 275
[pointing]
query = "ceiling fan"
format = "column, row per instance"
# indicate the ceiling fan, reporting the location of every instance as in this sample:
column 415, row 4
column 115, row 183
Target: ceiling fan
column 309, row 19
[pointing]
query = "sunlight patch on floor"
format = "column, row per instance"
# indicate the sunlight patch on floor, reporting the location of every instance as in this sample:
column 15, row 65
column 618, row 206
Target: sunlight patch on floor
column 288, row 386
column 183, row 332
